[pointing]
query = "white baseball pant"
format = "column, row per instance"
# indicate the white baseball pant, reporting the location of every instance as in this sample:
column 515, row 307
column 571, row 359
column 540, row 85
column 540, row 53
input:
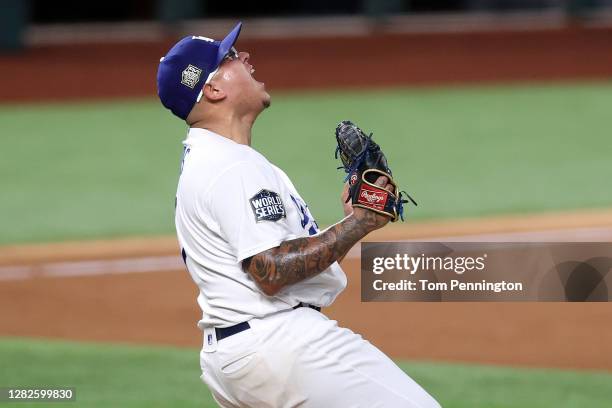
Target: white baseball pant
column 300, row 358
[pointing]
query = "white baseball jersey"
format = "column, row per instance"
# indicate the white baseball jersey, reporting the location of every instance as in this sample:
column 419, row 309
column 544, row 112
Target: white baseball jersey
column 232, row 203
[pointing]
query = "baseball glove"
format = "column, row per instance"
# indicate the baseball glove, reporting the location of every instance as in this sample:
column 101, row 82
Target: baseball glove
column 364, row 163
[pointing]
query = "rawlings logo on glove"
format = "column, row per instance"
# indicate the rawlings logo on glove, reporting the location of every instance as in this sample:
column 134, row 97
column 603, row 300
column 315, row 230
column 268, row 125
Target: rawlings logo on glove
column 372, row 197
column 364, row 162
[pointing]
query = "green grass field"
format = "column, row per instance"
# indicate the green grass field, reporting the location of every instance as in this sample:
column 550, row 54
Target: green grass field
column 72, row 171
column 109, row 169
column 129, row 376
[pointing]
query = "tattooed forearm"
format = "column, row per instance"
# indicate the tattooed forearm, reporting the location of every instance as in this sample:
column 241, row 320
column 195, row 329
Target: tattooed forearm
column 301, row 258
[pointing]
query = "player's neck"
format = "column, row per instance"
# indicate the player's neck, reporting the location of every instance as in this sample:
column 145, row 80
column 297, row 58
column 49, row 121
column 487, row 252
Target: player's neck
column 236, row 129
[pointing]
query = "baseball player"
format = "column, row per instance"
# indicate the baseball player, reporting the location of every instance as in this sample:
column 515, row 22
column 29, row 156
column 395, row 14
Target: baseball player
column 263, row 267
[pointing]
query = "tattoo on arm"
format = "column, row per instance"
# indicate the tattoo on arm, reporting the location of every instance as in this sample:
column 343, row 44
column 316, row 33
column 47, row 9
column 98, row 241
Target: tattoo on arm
column 298, row 259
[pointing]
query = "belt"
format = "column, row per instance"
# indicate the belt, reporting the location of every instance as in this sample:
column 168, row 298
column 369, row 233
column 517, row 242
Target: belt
column 302, row 304
column 223, row 332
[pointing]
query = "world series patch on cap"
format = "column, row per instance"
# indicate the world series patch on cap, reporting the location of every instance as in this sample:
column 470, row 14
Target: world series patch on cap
column 189, row 64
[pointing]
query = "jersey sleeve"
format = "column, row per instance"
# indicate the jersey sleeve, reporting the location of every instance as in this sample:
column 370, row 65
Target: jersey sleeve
column 247, row 203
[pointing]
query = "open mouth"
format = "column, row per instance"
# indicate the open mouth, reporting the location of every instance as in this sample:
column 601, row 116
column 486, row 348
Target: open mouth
column 252, row 71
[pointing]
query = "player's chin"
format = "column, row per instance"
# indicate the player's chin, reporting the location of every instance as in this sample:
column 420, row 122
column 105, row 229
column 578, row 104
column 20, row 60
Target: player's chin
column 266, row 100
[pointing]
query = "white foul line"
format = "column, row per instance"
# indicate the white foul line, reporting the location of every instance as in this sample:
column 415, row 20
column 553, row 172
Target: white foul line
column 561, row 235
column 174, row 262
column 91, row 268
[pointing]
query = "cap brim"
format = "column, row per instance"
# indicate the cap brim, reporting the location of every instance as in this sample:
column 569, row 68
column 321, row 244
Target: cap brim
column 228, row 42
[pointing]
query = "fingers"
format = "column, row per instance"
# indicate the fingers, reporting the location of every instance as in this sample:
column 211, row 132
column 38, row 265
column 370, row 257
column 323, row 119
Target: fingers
column 344, row 197
column 381, row 181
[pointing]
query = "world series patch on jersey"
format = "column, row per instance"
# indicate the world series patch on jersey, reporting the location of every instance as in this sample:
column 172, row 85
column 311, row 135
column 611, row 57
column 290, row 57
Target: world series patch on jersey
column 267, row 206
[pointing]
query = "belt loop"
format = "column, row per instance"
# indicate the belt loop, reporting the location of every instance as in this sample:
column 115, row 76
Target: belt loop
column 210, row 340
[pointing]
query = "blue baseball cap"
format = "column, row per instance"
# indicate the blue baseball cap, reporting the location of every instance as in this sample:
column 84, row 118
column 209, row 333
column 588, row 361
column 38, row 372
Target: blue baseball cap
column 189, row 65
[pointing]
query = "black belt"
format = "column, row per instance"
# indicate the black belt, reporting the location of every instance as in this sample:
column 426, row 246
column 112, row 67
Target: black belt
column 302, row 304
column 223, row 332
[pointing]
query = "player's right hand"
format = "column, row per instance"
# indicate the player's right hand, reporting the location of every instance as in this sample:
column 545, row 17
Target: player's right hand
column 372, row 219
column 346, row 202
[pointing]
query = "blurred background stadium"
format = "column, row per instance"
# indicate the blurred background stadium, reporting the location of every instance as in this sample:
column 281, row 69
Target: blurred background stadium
column 496, row 117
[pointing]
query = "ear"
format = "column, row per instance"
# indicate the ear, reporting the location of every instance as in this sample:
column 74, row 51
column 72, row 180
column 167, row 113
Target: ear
column 213, row 93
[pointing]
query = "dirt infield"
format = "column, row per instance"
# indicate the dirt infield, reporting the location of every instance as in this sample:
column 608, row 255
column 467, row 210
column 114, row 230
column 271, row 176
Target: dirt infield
column 160, row 307
column 123, row 70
